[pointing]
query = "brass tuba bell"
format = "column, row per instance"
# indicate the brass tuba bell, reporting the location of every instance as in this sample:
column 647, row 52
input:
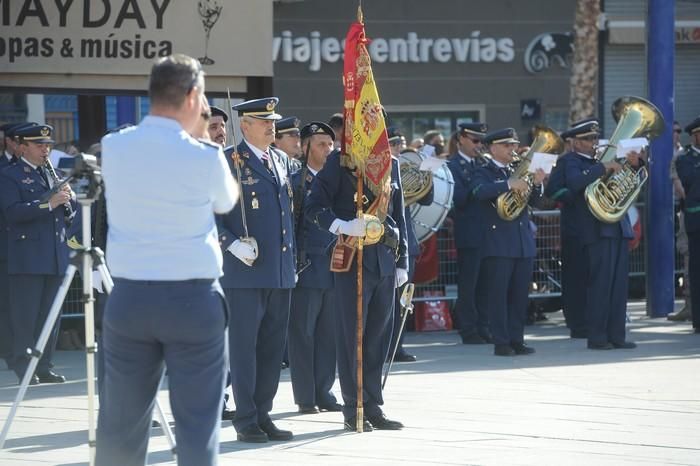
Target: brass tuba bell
column 415, row 182
column 510, row 204
column 609, row 197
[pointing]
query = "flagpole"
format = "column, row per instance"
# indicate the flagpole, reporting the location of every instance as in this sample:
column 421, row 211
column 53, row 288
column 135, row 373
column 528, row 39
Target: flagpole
column 360, row 246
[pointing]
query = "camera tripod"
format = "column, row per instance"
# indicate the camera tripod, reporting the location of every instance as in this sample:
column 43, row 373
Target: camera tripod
column 83, row 259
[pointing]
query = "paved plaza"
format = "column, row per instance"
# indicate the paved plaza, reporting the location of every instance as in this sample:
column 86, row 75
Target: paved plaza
column 564, row 405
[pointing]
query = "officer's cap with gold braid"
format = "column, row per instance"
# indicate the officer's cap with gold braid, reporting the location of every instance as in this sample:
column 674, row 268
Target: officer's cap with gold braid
column 502, row 136
column 584, row 128
column 288, row 125
column 476, row 128
column 316, row 127
column 693, row 127
column 262, row 109
column 40, row 134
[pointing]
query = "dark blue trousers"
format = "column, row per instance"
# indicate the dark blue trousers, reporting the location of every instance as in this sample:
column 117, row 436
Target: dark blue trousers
column 574, row 276
column 507, row 281
column 377, row 316
column 606, row 293
column 257, row 338
column 472, row 315
column 5, row 322
column 312, row 346
column 146, row 324
column 31, row 297
column 694, row 272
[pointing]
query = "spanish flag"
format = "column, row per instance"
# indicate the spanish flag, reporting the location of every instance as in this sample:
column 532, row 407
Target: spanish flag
column 365, row 146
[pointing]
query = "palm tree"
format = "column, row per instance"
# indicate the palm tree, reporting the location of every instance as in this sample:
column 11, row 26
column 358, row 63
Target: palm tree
column 584, row 69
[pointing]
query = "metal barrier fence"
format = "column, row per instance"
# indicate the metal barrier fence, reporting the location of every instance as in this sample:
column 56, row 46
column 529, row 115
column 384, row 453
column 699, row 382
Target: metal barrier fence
column 546, row 279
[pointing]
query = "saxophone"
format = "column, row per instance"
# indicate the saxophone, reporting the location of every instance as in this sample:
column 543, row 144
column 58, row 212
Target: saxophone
column 510, row 204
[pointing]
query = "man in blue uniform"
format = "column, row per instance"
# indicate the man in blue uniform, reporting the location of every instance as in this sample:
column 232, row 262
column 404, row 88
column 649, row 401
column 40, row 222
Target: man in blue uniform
column 312, row 319
column 332, row 206
column 258, row 277
column 574, row 264
column 37, row 254
column 507, row 247
column 604, row 244
column 472, row 315
column 688, row 168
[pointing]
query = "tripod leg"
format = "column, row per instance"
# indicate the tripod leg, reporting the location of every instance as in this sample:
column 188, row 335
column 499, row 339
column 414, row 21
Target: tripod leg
column 36, row 352
column 164, row 422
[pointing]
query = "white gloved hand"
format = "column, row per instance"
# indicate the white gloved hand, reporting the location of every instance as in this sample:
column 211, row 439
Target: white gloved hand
column 97, row 281
column 401, row 277
column 243, row 251
column 354, row 227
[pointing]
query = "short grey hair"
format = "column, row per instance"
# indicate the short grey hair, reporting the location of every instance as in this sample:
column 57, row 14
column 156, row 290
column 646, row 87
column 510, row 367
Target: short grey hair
column 172, row 78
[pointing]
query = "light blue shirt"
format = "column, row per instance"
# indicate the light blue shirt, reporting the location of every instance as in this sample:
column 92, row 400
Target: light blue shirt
column 162, row 189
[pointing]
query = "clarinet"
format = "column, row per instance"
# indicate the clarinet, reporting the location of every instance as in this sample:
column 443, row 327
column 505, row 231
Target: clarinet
column 69, row 214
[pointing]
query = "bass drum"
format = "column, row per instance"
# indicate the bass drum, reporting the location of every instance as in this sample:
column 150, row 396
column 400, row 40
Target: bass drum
column 428, row 219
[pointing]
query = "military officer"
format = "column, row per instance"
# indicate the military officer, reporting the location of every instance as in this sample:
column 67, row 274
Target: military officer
column 331, row 206
column 217, row 126
column 37, row 250
column 312, row 319
column 287, row 142
column 688, row 168
column 472, row 315
column 604, row 244
column 507, row 246
column 258, row 277
column 574, row 264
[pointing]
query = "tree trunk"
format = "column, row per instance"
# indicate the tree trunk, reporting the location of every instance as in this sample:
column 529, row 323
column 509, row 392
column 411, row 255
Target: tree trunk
column 584, row 69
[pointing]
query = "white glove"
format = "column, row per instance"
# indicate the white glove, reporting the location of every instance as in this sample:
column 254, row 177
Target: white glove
column 97, row 281
column 401, row 277
column 243, row 251
column 354, row 227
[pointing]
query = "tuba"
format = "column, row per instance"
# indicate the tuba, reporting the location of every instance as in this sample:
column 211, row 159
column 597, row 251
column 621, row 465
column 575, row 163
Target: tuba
column 415, row 183
column 610, row 196
column 510, row 204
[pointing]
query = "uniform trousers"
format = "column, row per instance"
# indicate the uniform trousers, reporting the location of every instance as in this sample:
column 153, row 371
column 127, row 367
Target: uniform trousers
column 5, row 322
column 147, row 324
column 507, row 281
column 574, row 276
column 31, row 297
column 377, row 317
column 694, row 270
column 257, row 339
column 472, row 314
column 312, row 346
column 606, row 291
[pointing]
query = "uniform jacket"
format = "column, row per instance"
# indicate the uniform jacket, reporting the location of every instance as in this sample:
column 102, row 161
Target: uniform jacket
column 557, row 190
column 332, row 196
column 268, row 208
column 579, row 173
column 500, row 238
column 36, row 236
column 468, row 225
column 3, row 223
column 316, row 244
column 688, row 168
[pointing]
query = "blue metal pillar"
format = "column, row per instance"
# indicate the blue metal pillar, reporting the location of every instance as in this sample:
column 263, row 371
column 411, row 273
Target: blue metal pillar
column 126, row 109
column 660, row 240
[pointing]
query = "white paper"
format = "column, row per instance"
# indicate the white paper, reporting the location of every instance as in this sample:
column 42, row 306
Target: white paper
column 97, row 281
column 542, row 160
column 431, row 164
column 625, row 146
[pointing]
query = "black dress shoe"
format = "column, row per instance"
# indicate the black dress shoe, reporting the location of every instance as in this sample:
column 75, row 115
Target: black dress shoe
column 404, row 357
column 522, row 348
column 228, row 414
column 285, row 364
column 252, row 434
column 600, row 346
column 308, row 409
column 624, row 345
column 273, row 433
column 381, row 422
column 33, row 381
column 331, row 407
column 351, row 425
column 503, row 350
column 473, row 339
column 50, row 377
column 486, row 337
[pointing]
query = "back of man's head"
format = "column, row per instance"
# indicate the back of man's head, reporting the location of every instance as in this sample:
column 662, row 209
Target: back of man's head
column 172, row 78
